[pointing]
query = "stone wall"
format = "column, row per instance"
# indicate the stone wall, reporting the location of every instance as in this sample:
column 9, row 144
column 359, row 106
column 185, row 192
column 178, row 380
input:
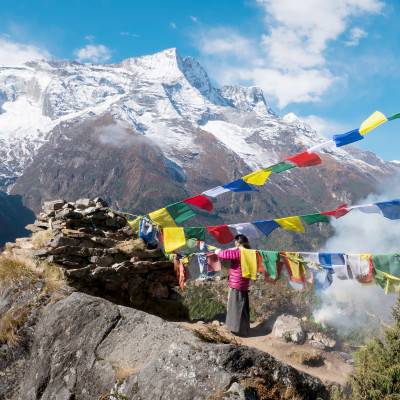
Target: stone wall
column 100, row 254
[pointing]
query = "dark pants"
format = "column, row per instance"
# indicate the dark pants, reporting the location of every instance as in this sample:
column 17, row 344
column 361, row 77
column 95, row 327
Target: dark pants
column 238, row 315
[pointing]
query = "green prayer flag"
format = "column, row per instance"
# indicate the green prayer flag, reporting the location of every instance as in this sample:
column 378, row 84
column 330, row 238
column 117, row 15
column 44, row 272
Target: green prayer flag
column 394, row 116
column 195, row 233
column 388, row 263
column 280, row 167
column 180, row 212
column 270, row 258
column 313, row 218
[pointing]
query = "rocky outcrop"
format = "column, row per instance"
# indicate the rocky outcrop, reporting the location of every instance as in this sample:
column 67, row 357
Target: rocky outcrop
column 100, row 254
column 80, row 346
column 289, row 328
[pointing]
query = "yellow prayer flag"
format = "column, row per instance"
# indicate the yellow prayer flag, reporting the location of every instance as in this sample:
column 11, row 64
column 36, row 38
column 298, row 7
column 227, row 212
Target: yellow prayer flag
column 163, row 218
column 291, row 224
column 372, row 122
column 134, row 224
column 248, row 260
column 392, row 284
column 296, row 266
column 257, row 178
column 173, row 239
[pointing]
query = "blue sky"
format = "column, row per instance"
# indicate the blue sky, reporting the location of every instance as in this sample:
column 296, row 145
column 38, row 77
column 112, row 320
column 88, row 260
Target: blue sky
column 332, row 63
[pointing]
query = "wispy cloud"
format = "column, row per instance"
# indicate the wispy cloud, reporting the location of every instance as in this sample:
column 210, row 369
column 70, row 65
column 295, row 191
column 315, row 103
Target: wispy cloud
column 355, row 35
column 93, row 53
column 173, row 25
column 135, row 35
column 194, row 19
column 13, row 53
column 290, row 59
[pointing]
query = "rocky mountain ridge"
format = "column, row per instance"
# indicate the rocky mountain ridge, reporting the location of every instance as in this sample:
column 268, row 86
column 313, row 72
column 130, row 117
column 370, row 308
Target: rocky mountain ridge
column 153, row 130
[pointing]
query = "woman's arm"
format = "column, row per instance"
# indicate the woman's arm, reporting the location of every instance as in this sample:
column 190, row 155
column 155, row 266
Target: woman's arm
column 230, row 254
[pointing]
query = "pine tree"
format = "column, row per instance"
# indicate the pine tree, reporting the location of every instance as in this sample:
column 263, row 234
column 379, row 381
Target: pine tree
column 377, row 371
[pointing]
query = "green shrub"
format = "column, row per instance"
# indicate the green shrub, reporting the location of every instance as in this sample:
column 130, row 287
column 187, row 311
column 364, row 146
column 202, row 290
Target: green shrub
column 377, row 368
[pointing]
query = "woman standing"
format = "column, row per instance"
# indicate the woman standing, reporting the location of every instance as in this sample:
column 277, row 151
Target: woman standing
column 238, row 314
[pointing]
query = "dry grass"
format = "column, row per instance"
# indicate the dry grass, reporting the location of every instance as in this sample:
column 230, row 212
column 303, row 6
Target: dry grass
column 123, row 371
column 129, row 247
column 15, row 269
column 11, row 322
column 310, row 359
column 52, row 276
column 212, row 335
column 39, row 238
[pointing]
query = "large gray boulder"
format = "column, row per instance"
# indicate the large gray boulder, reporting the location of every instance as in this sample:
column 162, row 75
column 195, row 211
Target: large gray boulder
column 289, row 328
column 80, row 346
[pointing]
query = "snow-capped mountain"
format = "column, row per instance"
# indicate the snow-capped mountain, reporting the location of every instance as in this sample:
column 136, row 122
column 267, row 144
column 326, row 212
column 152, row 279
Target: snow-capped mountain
column 152, row 130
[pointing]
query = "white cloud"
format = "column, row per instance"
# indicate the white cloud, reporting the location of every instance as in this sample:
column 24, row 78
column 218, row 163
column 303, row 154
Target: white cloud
column 13, row 53
column 290, row 60
column 225, row 41
column 94, row 53
column 90, row 38
column 129, row 34
column 355, row 35
column 173, row 25
column 194, row 19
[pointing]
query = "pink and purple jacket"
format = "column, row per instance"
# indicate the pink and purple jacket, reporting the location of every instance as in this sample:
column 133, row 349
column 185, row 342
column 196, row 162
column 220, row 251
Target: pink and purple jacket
column 236, row 280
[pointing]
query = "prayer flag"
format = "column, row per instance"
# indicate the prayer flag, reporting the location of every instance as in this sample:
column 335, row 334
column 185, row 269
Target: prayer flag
column 246, row 229
column 394, row 116
column 322, row 279
column 270, row 259
column 392, row 284
column 366, row 208
column 372, row 122
column 221, row 233
column 280, row 167
column 248, row 262
column 239, row 186
column 173, row 238
column 291, row 224
column 339, row 212
column 321, row 146
column 134, row 224
column 390, row 209
column 195, row 233
column 180, row 212
column 388, row 263
column 347, row 138
column 296, row 266
column 257, row 178
column 304, row 159
column 313, row 218
column 163, row 218
column 214, row 192
column 266, row 227
column 201, row 202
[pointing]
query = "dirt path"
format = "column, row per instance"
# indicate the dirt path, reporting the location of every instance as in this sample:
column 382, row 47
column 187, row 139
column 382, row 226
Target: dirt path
column 333, row 369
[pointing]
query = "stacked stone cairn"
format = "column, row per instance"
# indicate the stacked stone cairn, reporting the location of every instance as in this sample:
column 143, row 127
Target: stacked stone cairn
column 100, row 254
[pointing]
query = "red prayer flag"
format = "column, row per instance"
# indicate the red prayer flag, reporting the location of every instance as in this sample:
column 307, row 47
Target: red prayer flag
column 201, row 202
column 221, row 233
column 305, row 159
column 260, row 265
column 339, row 212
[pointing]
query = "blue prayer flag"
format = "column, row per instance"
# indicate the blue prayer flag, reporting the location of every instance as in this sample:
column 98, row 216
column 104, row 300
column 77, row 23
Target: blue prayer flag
column 390, row 209
column 266, row 227
column 239, row 186
column 322, row 279
column 346, row 138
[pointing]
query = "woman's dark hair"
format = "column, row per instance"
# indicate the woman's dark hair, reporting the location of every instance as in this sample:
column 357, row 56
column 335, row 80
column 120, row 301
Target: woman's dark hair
column 243, row 241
